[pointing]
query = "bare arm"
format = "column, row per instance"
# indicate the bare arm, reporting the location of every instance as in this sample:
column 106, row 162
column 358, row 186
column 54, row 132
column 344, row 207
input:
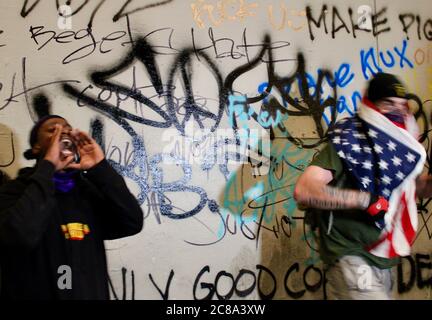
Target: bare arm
column 312, row 191
column 424, row 186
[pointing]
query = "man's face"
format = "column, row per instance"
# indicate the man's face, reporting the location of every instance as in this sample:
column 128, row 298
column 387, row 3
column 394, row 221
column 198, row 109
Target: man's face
column 393, row 105
column 46, row 132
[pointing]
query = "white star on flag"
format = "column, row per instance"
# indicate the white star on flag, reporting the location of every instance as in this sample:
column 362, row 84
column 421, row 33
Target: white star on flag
column 391, row 145
column 336, row 140
column 356, row 148
column 367, row 165
column 367, row 149
column 383, row 165
column 365, row 181
column 341, row 154
column 359, row 135
column 410, row 157
column 400, row 175
column 373, row 133
column 353, row 160
column 386, row 180
column 396, row 161
column 378, row 148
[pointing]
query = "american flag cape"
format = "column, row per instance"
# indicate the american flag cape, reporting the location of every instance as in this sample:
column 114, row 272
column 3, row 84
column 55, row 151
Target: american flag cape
column 384, row 160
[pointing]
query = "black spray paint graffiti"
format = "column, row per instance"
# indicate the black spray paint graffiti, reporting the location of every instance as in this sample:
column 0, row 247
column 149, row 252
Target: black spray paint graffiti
column 189, row 107
column 181, row 67
column 408, row 19
column 170, row 111
column 379, row 23
column 297, row 282
column 230, row 225
column 126, row 8
column 414, row 271
column 150, row 176
column 25, row 90
column 11, row 152
column 43, row 37
column 219, row 47
column 307, row 105
column 169, row 115
column 125, row 286
column 2, row 45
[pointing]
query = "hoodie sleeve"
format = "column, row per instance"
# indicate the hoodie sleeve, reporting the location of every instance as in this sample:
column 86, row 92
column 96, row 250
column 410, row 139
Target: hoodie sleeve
column 119, row 212
column 25, row 207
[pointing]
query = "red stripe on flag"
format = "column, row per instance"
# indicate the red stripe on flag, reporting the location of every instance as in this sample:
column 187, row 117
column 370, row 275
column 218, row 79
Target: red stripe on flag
column 407, row 227
column 391, row 253
column 376, row 244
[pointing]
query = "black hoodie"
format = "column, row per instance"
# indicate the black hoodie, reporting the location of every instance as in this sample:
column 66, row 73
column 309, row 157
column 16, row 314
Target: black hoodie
column 51, row 242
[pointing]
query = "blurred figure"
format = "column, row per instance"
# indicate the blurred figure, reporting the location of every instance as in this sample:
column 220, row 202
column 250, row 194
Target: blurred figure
column 360, row 192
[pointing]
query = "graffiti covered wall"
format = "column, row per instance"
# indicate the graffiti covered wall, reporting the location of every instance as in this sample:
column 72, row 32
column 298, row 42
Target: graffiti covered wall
column 211, row 109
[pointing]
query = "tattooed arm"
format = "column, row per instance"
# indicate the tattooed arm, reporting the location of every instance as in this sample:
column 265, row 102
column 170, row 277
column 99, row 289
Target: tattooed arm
column 312, row 191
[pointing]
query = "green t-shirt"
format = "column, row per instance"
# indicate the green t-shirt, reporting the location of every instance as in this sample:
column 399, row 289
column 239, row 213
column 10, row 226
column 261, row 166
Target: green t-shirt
column 344, row 232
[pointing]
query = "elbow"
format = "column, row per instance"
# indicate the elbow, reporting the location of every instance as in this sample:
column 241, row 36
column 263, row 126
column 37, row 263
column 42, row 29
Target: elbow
column 135, row 224
column 125, row 224
column 139, row 220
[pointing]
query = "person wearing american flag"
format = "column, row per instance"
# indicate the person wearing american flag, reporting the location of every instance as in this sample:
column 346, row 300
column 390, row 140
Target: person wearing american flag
column 360, row 192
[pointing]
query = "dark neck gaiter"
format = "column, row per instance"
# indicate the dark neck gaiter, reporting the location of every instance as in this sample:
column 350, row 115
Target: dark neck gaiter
column 65, row 181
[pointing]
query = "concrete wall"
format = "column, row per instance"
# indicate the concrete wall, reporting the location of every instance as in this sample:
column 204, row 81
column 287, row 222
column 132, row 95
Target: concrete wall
column 161, row 84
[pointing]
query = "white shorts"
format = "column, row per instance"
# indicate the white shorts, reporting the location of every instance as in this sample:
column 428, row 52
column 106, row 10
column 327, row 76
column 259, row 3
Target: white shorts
column 351, row 278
